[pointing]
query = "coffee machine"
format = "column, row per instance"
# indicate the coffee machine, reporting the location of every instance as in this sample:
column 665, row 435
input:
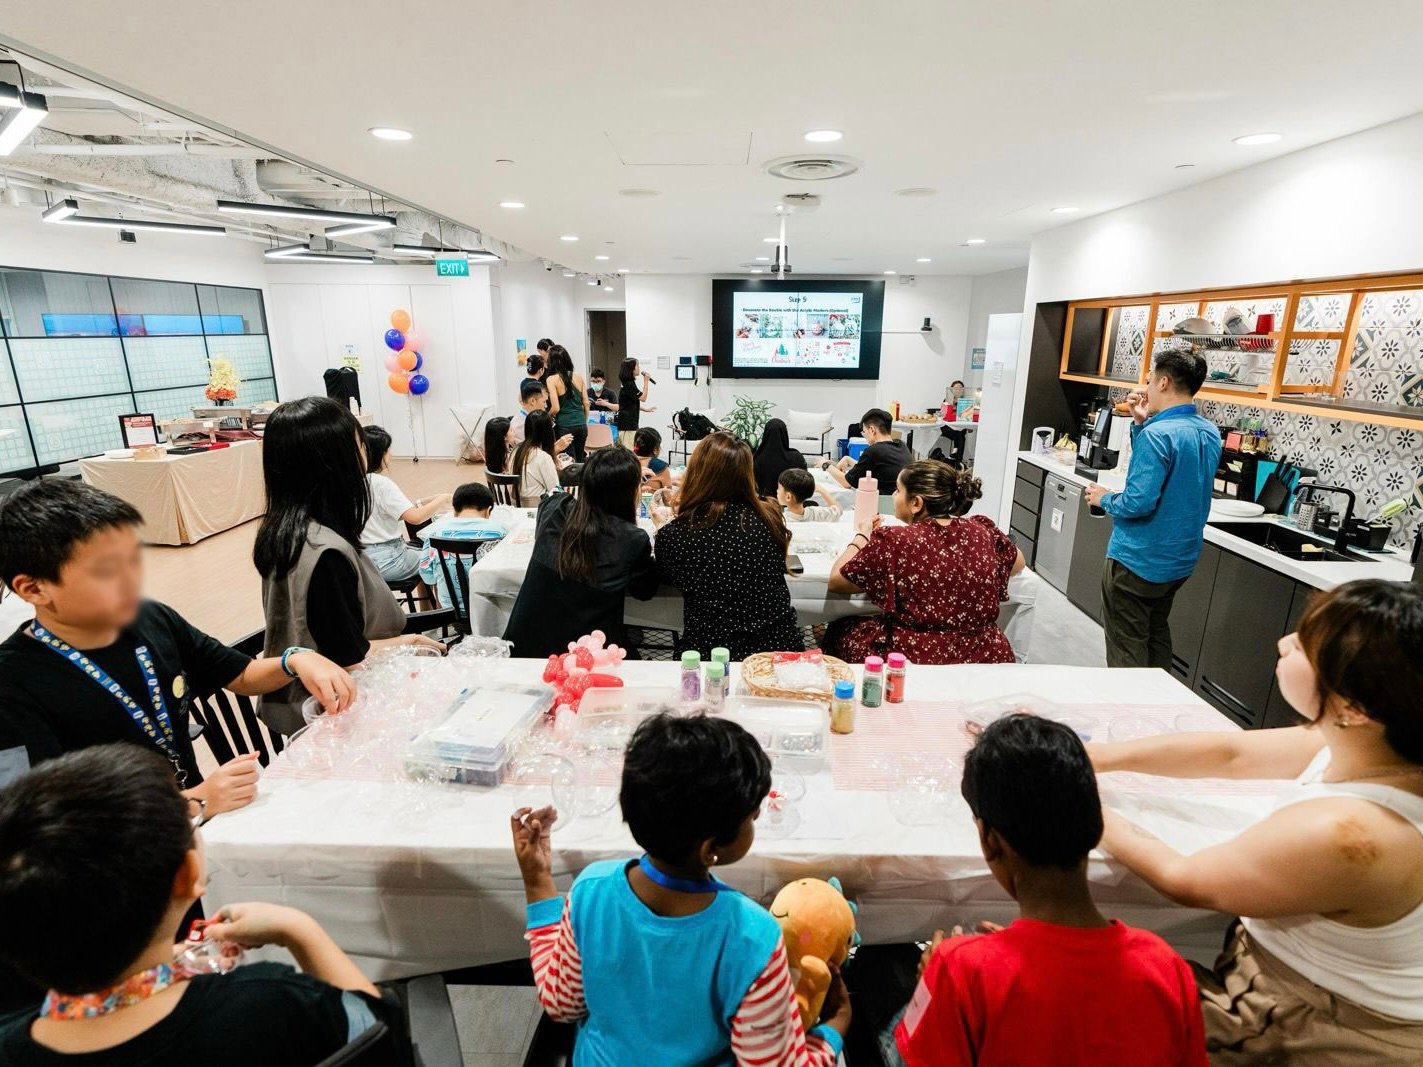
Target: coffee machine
column 1098, row 455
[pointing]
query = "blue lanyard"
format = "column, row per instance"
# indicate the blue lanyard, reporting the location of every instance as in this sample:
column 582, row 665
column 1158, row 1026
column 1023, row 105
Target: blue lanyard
column 141, row 718
column 682, row 885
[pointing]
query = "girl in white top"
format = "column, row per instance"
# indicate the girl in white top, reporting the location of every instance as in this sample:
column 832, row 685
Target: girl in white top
column 534, row 460
column 383, row 537
column 1328, row 967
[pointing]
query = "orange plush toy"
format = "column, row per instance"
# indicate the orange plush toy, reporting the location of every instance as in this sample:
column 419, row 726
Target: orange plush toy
column 818, row 925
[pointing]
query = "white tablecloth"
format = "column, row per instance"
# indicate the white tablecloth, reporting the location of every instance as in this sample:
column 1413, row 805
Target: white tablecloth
column 413, row 886
column 495, row 580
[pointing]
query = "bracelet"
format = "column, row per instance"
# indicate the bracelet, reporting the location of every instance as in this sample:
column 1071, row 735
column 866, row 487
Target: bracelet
column 287, row 655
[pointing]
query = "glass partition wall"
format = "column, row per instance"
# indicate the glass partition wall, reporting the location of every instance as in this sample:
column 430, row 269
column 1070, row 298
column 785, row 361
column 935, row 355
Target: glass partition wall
column 79, row 350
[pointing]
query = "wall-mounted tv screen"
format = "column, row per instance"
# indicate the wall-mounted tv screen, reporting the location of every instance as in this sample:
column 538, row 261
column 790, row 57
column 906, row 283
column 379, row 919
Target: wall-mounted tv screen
column 796, row 329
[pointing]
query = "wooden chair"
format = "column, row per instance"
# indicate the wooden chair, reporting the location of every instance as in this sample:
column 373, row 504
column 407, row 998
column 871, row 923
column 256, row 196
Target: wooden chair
column 505, row 488
column 230, row 726
column 452, row 553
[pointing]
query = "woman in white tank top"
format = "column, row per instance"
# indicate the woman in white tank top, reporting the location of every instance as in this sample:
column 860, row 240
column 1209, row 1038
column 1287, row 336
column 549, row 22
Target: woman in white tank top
column 1326, row 965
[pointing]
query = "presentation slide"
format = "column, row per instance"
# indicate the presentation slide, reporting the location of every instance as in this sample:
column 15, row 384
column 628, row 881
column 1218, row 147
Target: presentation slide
column 797, row 331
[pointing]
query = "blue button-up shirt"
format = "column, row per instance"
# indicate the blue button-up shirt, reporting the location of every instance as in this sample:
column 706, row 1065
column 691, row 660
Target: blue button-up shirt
column 1159, row 518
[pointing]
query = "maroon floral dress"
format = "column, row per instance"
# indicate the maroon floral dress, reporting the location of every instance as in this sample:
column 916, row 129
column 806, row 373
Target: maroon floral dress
column 939, row 585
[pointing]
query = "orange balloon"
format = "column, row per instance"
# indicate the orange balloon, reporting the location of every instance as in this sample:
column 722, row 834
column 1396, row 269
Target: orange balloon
column 398, row 383
column 406, row 358
column 400, row 319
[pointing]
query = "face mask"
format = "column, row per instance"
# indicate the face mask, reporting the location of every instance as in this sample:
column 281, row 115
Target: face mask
column 595, row 388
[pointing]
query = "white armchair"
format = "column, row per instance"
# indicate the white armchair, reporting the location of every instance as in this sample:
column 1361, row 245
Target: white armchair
column 807, row 430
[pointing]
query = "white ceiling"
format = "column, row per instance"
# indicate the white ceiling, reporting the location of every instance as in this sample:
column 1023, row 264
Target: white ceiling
column 1006, row 109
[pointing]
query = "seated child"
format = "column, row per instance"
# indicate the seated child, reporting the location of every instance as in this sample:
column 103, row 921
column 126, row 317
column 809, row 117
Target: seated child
column 473, row 503
column 656, row 960
column 794, row 488
column 1061, row 985
column 99, row 861
column 647, row 447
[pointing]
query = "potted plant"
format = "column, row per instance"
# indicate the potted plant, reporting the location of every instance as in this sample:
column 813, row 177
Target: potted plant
column 222, row 382
column 747, row 419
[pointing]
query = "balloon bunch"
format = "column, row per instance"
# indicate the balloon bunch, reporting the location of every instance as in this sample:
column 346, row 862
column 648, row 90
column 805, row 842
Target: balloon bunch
column 405, row 360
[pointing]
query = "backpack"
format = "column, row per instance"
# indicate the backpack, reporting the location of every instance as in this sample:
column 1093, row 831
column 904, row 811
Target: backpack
column 693, row 425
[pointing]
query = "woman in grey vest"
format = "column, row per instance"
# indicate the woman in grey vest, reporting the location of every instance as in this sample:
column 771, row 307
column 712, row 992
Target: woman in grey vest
column 319, row 590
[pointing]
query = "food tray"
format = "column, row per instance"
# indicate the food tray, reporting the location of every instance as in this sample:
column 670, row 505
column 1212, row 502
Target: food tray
column 758, row 673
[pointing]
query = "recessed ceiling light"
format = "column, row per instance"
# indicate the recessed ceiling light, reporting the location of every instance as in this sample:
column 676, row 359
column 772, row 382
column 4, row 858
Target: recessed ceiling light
column 1184, row 166
column 390, row 133
column 569, row 274
column 569, row 237
column 607, row 288
column 639, row 194
column 1258, row 138
column 757, row 270
column 600, row 257
column 917, row 190
column 512, row 205
column 623, row 270
column 592, row 281
column 891, row 272
column 974, row 241
column 763, row 259
column 771, row 240
column 1065, row 210
column 823, row 136
column 923, row 259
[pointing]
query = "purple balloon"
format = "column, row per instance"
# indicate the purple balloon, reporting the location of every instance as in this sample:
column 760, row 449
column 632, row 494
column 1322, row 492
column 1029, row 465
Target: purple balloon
column 419, row 361
column 394, row 340
column 419, row 384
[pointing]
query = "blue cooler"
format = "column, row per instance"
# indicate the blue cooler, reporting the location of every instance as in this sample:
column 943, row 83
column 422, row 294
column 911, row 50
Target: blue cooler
column 842, row 447
column 856, row 448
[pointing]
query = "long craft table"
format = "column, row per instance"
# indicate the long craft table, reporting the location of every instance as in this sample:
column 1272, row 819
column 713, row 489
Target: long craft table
column 417, row 878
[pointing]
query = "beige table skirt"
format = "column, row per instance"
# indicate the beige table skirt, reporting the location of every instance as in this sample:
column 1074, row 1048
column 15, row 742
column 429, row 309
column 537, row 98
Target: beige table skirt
column 185, row 498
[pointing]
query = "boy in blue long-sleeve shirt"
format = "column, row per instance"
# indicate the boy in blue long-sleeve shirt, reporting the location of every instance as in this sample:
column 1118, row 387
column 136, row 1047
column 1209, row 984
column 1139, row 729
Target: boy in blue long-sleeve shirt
column 1159, row 518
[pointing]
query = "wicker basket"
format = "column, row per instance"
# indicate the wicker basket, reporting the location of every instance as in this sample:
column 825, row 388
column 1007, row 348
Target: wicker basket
column 758, row 672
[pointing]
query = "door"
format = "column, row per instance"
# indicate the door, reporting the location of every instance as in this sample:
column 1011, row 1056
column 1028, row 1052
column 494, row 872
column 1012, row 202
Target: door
column 607, row 342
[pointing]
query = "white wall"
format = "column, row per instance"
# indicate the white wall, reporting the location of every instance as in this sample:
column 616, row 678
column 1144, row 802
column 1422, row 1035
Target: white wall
column 1343, row 208
column 670, row 315
column 316, row 309
column 1000, row 293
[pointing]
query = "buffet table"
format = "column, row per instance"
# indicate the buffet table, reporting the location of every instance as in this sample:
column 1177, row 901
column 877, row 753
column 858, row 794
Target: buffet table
column 185, row 498
column 414, row 878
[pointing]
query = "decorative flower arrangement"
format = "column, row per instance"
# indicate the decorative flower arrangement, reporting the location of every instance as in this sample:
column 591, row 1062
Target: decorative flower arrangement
column 223, row 381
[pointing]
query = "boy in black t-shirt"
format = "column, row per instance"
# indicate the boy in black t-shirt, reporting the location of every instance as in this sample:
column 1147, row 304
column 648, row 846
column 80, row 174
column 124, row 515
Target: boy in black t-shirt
column 883, row 459
column 99, row 664
column 99, row 860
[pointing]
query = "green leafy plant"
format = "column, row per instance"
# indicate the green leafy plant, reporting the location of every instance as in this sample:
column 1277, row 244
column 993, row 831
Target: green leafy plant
column 747, row 419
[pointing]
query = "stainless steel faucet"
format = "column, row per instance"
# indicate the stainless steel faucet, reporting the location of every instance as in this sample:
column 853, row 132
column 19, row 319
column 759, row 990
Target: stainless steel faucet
column 1341, row 541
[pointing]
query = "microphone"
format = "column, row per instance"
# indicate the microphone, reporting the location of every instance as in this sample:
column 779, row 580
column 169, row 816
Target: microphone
column 650, row 379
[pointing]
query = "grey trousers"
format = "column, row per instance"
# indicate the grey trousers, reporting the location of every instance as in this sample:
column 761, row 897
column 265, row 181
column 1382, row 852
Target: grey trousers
column 1135, row 618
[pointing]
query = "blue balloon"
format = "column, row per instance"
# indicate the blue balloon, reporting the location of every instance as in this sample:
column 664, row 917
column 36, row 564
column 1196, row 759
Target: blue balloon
column 419, row 384
column 419, row 361
column 394, row 340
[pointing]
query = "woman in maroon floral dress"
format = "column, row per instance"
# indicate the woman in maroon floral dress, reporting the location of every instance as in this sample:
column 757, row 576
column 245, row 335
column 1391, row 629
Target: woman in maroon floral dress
column 939, row 579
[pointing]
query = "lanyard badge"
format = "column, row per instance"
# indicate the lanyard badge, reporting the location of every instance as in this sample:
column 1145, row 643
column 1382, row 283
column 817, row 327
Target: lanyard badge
column 158, row 727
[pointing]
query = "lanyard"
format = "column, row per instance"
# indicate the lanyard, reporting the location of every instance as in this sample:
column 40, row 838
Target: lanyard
column 160, row 734
column 682, row 885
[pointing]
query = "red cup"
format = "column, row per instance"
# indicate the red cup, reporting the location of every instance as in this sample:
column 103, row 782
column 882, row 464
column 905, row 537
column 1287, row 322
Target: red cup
column 1265, row 322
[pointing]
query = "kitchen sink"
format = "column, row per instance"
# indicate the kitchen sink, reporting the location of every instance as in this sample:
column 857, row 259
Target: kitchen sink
column 1295, row 544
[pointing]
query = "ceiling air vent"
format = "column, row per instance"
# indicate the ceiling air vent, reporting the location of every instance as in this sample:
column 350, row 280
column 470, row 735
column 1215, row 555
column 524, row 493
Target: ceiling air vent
column 812, row 168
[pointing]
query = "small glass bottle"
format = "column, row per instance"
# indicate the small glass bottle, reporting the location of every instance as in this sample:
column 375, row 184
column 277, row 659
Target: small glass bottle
column 723, row 656
column 894, row 678
column 872, row 688
column 691, row 676
column 842, row 708
column 712, row 691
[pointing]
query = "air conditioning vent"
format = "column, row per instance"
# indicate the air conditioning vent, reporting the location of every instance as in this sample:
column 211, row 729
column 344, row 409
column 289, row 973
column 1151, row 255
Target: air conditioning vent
column 812, row 168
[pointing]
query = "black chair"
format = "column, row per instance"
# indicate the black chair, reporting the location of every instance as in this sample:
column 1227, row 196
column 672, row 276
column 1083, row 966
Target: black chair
column 505, row 488
column 229, row 722
column 404, row 591
column 376, row 1045
column 552, row 1045
column 452, row 553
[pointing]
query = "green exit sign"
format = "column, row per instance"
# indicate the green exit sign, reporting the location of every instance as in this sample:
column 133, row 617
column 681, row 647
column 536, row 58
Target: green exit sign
column 452, row 268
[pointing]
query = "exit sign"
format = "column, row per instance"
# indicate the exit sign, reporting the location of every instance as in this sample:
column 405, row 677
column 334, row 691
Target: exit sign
column 452, row 267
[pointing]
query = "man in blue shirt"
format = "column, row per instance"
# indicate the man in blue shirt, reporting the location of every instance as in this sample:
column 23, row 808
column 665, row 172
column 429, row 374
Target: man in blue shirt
column 1159, row 518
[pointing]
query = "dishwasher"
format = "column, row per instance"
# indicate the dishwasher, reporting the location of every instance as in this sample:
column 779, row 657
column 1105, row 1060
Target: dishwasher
column 1057, row 529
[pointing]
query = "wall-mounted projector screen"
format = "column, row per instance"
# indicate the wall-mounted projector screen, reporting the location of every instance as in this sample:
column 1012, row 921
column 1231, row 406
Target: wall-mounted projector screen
column 796, row 329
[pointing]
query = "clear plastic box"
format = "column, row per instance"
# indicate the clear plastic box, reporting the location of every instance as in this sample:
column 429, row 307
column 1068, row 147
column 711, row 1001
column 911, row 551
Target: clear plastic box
column 794, row 729
column 475, row 743
column 607, row 717
column 982, row 712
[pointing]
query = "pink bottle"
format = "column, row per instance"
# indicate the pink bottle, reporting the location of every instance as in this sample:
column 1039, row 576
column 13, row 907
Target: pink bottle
column 866, row 499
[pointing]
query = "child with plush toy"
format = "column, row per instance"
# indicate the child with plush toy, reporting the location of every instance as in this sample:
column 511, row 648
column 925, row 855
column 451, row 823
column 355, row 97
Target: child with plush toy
column 655, row 959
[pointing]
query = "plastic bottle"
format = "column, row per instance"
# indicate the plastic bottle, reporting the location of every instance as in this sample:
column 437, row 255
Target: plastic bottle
column 712, row 691
column 723, row 656
column 872, row 687
column 894, row 678
column 644, row 510
column 691, row 676
column 866, row 499
column 842, row 708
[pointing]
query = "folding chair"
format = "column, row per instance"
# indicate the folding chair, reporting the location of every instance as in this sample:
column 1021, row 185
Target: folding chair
column 470, row 419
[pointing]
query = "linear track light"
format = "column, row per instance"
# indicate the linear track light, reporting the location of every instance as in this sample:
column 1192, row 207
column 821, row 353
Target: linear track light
column 20, row 113
column 66, row 212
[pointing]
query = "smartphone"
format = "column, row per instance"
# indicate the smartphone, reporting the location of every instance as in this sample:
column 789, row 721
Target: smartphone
column 794, row 565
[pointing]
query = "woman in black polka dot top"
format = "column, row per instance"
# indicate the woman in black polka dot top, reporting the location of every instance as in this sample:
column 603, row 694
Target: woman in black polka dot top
column 726, row 552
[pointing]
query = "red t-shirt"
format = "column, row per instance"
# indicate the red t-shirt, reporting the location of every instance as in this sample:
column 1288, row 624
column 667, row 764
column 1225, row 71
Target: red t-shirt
column 1037, row 993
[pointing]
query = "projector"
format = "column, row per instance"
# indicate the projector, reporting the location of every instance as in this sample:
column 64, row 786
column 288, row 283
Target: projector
column 800, row 203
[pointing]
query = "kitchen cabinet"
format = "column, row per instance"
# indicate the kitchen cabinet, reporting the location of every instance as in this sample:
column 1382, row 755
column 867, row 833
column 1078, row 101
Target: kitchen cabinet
column 1089, row 551
column 1027, row 505
column 1188, row 615
column 1277, row 709
column 1250, row 606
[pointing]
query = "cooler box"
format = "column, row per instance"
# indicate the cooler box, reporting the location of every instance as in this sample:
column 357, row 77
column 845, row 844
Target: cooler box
column 856, row 448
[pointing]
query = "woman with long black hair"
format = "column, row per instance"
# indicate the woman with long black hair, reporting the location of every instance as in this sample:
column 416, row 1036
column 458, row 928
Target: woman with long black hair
column 567, row 392
column 496, row 445
column 536, row 459
column 319, row 590
column 588, row 555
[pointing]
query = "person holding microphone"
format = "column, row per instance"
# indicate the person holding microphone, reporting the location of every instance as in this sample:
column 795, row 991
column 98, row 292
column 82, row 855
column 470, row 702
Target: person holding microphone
column 631, row 398
column 1159, row 517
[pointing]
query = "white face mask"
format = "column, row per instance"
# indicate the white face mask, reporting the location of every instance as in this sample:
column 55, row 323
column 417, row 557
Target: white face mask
column 595, row 387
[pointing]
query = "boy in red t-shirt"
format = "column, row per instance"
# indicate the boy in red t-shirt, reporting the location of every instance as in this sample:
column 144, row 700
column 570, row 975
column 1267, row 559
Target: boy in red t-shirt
column 1062, row 985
